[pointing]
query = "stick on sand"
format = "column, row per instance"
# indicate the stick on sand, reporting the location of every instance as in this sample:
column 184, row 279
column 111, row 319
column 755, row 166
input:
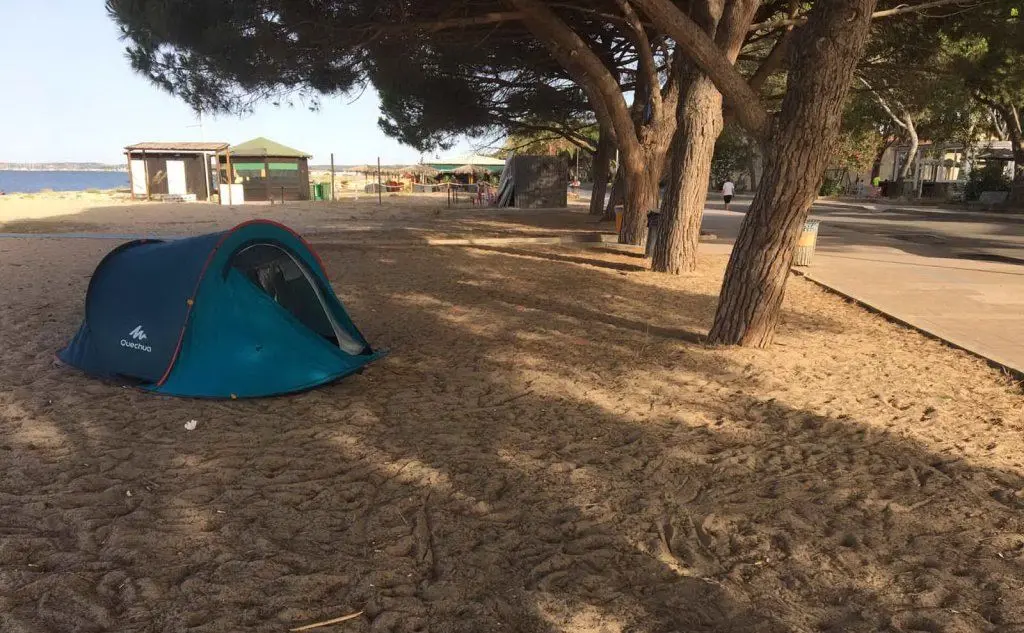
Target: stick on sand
column 316, row 625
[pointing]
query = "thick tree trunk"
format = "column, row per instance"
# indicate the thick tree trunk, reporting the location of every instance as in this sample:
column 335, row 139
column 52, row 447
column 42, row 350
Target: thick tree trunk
column 876, row 165
column 642, row 170
column 642, row 167
column 824, row 57
column 908, row 164
column 752, row 165
column 904, row 120
column 617, row 195
column 700, row 123
column 1017, row 188
column 1008, row 124
column 641, row 178
column 1018, row 162
column 1016, row 134
column 602, row 164
column 707, row 54
column 642, row 144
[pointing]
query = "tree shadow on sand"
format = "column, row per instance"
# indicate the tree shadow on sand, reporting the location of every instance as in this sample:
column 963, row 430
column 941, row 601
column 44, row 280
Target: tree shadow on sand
column 566, row 258
column 509, row 467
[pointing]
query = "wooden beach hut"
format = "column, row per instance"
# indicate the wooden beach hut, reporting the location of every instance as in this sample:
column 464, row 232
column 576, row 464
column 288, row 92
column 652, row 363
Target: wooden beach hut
column 266, row 170
column 177, row 170
column 474, row 162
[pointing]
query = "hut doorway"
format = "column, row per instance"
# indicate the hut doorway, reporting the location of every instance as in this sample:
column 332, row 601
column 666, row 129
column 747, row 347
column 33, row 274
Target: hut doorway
column 176, row 178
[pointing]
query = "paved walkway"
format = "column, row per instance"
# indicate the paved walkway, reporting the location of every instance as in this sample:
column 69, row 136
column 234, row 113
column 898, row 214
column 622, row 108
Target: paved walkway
column 883, row 205
column 954, row 274
column 976, row 305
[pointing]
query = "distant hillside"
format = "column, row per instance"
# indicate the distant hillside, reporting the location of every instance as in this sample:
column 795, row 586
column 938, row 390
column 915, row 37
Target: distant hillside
column 60, row 167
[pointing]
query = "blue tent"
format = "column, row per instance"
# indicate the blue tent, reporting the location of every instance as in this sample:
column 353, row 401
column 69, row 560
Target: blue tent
column 242, row 313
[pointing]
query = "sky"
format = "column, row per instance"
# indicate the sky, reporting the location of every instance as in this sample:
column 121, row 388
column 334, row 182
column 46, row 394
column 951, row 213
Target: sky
column 68, row 93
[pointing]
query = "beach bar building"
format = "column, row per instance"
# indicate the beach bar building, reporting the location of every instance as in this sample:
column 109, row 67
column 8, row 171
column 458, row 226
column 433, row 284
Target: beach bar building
column 266, row 170
column 176, row 170
column 480, row 164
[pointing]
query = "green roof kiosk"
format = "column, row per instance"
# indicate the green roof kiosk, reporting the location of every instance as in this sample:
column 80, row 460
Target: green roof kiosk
column 267, row 171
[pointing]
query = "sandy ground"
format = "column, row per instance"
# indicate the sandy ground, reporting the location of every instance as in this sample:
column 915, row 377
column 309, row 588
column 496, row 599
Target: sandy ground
column 403, row 217
column 548, row 448
column 25, row 206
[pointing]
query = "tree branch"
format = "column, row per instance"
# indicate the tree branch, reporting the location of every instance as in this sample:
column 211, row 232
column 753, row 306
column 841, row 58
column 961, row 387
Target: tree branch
column 907, row 8
column 700, row 48
column 586, row 69
column 515, row 148
column 999, row 124
column 486, row 18
column 596, row 12
column 493, row 17
column 570, row 135
column 1011, row 120
column 777, row 56
column 772, row 63
column 671, row 92
column 885, row 106
column 903, row 8
column 1016, row 118
column 645, row 54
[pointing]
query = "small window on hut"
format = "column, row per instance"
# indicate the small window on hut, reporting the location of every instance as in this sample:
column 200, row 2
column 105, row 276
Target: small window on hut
column 250, row 171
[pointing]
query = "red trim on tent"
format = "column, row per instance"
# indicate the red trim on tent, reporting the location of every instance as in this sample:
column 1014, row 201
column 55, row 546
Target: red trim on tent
column 202, row 275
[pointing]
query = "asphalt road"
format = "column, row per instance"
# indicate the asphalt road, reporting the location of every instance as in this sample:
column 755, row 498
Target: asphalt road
column 917, row 230
column 958, row 275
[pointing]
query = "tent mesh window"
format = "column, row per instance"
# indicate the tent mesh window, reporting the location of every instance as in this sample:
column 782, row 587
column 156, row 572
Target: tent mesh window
column 287, row 280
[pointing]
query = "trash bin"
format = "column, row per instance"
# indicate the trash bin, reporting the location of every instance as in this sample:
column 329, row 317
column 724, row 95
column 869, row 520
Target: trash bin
column 618, row 218
column 805, row 247
column 653, row 229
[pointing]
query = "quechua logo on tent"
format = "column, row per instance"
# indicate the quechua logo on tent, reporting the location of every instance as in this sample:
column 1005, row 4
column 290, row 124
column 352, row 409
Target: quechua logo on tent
column 138, row 334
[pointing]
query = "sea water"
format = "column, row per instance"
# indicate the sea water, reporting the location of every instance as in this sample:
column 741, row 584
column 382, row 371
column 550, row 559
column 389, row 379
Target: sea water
column 33, row 181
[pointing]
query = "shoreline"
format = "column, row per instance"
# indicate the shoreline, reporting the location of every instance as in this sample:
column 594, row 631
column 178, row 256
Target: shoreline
column 112, row 171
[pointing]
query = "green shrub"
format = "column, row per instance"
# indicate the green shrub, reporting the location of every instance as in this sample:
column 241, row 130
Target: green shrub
column 831, row 187
column 987, row 178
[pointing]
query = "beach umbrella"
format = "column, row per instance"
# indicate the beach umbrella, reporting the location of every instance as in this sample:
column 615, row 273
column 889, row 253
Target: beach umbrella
column 469, row 169
column 420, row 170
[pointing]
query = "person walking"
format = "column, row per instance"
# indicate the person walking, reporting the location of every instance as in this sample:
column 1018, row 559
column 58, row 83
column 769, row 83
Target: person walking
column 728, row 189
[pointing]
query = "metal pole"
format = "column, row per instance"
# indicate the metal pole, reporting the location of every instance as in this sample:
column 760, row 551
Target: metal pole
column 230, row 177
column 206, row 172
column 145, row 166
column 131, row 180
column 916, row 175
column 379, row 194
column 332, row 176
column 266, row 179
